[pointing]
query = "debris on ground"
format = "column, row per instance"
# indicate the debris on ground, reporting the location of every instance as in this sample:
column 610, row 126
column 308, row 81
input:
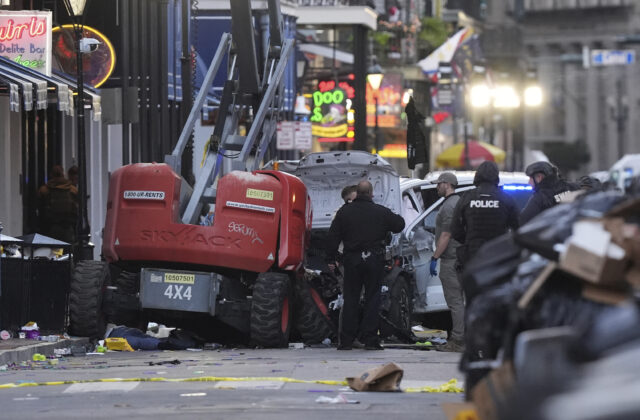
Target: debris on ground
column 338, row 399
column 383, row 378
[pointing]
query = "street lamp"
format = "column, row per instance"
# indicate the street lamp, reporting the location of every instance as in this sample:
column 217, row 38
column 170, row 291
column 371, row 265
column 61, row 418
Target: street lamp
column 533, row 96
column 375, row 79
column 84, row 251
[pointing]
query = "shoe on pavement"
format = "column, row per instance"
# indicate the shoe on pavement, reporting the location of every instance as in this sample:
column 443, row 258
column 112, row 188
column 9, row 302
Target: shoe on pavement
column 451, row 346
column 357, row 344
column 373, row 346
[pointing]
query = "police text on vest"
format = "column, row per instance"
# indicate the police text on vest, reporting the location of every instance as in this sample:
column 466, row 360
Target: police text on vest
column 484, row 204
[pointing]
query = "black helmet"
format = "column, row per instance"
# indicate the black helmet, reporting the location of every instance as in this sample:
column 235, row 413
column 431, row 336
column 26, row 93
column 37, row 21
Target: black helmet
column 589, row 183
column 542, row 167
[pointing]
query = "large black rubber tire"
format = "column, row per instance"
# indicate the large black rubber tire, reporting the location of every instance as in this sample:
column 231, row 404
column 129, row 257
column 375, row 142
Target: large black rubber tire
column 400, row 308
column 312, row 316
column 128, row 285
column 271, row 310
column 86, row 315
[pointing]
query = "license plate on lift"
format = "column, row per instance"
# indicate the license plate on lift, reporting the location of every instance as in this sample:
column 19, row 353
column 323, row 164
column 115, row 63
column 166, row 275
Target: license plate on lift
column 179, row 290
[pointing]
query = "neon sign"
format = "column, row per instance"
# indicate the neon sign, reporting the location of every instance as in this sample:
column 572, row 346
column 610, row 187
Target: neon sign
column 25, row 37
column 332, row 116
column 11, row 30
column 390, row 104
column 97, row 66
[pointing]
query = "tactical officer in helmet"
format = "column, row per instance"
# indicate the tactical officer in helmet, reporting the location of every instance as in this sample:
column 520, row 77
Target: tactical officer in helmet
column 482, row 214
column 548, row 188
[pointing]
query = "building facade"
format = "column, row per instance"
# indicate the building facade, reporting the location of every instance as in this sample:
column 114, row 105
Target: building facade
column 589, row 103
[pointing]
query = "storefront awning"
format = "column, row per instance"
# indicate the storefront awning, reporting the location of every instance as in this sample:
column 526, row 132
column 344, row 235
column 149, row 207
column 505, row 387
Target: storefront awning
column 26, row 82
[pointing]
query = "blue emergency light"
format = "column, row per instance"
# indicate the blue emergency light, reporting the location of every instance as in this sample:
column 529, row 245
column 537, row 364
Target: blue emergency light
column 517, row 187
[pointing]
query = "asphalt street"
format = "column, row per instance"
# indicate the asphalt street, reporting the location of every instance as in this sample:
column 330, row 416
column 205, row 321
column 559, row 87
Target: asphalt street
column 226, row 383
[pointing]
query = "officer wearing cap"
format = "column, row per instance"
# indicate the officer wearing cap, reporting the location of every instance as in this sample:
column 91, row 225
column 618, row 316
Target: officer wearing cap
column 363, row 227
column 446, row 252
column 548, row 189
column 483, row 213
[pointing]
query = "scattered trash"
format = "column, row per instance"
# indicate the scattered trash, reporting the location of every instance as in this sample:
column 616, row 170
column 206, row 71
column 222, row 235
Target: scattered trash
column 53, row 362
column 3, row 368
column 382, row 378
column 212, row 346
column 49, row 338
column 417, row 328
column 62, row 352
column 192, row 349
column 31, row 330
column 22, row 335
column 118, row 343
column 326, row 341
column 194, row 394
column 296, row 346
column 100, row 348
column 165, row 362
column 338, row 399
column 5, row 335
column 37, row 357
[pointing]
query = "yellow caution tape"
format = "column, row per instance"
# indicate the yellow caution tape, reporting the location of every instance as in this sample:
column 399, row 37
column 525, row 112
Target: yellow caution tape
column 448, row 387
column 451, row 386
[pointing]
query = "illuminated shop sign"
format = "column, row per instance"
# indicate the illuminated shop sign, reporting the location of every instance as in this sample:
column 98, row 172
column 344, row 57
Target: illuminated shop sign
column 390, row 104
column 331, row 115
column 97, row 65
column 25, row 37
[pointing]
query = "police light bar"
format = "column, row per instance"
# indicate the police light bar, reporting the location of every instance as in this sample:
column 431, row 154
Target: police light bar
column 517, row 187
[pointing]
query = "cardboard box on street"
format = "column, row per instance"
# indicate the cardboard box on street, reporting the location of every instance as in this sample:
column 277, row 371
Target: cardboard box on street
column 592, row 256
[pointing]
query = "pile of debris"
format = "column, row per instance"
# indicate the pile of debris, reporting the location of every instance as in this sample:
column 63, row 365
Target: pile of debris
column 553, row 314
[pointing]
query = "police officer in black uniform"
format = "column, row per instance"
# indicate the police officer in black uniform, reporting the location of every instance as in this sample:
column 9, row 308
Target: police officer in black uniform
column 548, row 188
column 482, row 214
column 362, row 226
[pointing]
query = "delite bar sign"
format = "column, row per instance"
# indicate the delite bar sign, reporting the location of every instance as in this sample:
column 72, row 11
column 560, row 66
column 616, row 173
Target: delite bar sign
column 25, row 37
column 144, row 195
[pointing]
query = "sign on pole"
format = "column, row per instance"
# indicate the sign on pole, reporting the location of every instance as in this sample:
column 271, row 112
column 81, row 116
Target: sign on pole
column 303, row 136
column 599, row 58
column 285, row 139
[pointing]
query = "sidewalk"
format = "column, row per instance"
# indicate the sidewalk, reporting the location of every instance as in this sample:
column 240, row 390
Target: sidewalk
column 18, row 350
